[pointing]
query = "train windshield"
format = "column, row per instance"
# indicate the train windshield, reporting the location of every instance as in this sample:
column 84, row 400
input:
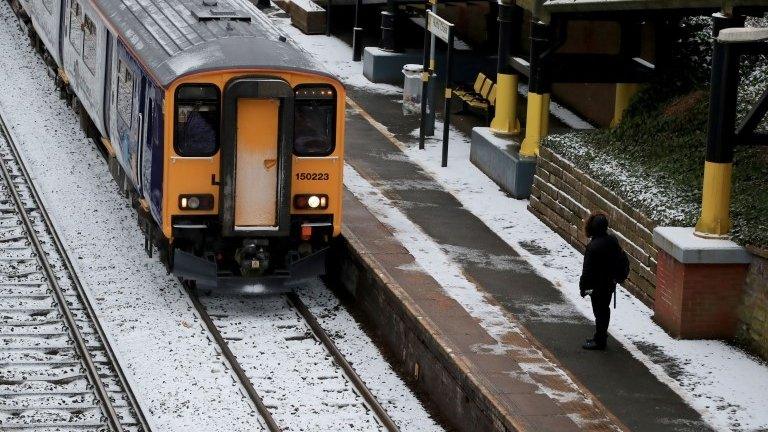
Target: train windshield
column 197, row 120
column 314, row 117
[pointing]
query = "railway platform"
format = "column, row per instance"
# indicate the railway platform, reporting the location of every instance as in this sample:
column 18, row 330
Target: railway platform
column 534, row 376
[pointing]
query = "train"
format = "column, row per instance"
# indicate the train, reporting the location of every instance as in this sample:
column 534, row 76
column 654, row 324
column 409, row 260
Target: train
column 227, row 137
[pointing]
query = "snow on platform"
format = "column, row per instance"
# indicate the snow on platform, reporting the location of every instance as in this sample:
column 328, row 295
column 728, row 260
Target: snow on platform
column 724, row 384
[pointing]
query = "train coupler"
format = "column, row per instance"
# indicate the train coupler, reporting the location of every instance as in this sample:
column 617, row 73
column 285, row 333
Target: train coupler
column 253, row 257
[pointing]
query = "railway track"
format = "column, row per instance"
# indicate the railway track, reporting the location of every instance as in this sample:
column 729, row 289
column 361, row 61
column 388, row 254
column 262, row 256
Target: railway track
column 57, row 370
column 345, row 391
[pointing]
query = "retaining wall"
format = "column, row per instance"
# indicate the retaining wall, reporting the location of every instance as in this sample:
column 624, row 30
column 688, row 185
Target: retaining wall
column 563, row 196
column 753, row 314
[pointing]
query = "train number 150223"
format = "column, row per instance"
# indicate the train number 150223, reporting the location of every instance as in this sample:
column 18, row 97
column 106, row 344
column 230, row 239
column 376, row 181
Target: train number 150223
column 312, row 176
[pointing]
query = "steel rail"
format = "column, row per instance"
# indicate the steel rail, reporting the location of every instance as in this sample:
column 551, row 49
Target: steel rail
column 112, row 417
column 231, row 359
column 134, row 404
column 360, row 386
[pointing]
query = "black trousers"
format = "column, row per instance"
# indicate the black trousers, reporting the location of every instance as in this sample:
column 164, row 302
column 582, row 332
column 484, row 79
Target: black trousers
column 601, row 306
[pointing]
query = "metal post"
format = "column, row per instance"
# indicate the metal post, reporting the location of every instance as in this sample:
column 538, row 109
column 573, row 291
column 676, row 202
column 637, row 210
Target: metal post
column 539, row 84
column 624, row 92
column 357, row 34
column 505, row 120
column 424, row 81
column 328, row 7
column 448, row 92
column 715, row 218
column 623, row 96
column 432, row 88
column 388, row 27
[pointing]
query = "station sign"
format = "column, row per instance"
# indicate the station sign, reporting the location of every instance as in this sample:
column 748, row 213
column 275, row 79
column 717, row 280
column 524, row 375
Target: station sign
column 438, row 26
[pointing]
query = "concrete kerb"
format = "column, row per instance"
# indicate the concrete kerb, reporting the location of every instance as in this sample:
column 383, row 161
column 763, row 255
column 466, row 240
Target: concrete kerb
column 446, row 362
column 463, row 395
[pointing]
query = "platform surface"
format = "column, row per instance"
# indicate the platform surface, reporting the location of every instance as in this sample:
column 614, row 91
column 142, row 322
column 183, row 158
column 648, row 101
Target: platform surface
column 621, row 383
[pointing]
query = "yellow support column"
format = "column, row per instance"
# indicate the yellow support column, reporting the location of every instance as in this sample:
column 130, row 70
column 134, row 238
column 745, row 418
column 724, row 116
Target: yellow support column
column 715, row 219
column 624, row 94
column 505, row 121
column 537, row 124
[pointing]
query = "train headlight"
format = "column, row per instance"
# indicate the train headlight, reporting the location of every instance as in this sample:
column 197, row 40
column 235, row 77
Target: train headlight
column 196, row 202
column 310, row 202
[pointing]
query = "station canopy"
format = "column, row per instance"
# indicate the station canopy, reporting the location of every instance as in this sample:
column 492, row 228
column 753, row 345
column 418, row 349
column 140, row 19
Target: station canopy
column 547, row 8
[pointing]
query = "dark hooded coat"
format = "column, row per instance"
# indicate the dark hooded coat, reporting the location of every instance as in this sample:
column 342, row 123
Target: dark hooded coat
column 599, row 258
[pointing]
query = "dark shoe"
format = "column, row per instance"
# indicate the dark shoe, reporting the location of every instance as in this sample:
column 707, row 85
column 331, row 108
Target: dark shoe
column 591, row 345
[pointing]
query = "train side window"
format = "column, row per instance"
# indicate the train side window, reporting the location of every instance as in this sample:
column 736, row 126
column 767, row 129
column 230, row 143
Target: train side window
column 76, row 26
column 124, row 93
column 314, row 121
column 196, row 123
column 89, row 43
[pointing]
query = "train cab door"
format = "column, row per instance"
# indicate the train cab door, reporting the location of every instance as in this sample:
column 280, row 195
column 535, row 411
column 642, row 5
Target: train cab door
column 256, row 162
column 257, row 141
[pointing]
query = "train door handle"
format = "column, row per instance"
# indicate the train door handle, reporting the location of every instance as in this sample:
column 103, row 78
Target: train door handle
column 214, row 182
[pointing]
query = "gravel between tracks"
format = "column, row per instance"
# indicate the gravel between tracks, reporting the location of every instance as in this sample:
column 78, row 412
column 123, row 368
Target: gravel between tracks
column 294, row 374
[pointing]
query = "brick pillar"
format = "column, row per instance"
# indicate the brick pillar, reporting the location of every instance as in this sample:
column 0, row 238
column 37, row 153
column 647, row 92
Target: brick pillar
column 699, row 284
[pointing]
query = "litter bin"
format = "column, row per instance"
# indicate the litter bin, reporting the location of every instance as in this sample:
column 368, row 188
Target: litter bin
column 412, row 89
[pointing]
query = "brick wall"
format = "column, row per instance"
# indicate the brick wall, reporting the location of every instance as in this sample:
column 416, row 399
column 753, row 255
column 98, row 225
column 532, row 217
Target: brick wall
column 695, row 301
column 753, row 314
column 563, row 197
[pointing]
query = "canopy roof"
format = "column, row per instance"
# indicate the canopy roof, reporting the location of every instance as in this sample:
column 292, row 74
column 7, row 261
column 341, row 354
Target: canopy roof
column 546, row 8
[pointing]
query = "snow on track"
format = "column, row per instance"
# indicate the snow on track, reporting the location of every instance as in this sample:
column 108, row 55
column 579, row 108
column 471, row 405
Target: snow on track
column 55, row 371
column 297, row 380
column 177, row 375
column 293, row 373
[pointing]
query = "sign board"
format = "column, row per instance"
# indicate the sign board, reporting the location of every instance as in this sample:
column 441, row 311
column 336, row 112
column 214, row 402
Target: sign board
column 438, row 26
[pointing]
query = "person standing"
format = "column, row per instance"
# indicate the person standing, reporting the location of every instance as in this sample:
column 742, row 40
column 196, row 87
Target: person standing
column 605, row 264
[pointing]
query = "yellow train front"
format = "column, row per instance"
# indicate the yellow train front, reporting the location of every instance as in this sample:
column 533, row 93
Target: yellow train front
column 254, row 174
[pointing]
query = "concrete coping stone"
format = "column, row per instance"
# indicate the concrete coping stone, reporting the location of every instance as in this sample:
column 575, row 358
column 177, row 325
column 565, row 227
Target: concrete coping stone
column 502, row 143
column 687, row 248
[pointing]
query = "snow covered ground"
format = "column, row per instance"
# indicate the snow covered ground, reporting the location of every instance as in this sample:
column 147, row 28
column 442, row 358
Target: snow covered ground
column 724, row 384
column 170, row 361
column 297, row 379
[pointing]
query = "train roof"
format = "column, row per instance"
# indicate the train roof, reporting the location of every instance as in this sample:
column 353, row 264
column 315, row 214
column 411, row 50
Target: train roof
column 173, row 38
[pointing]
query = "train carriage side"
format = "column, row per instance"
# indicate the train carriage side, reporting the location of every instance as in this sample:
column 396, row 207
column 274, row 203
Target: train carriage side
column 45, row 16
column 84, row 45
column 135, row 118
